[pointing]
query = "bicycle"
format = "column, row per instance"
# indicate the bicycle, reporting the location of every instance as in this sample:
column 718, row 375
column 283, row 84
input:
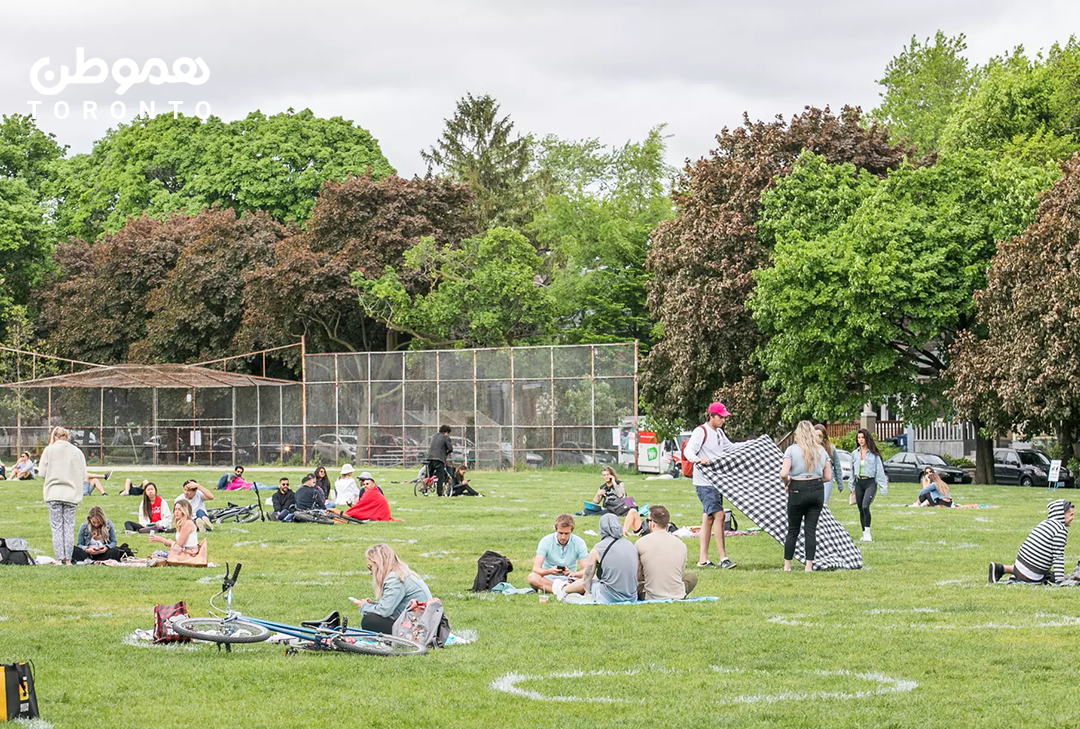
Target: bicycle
column 332, row 633
column 238, row 514
column 425, row 485
column 325, row 516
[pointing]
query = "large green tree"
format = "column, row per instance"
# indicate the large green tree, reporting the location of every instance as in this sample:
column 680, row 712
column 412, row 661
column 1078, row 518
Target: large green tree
column 484, row 293
column 480, row 150
column 922, row 85
column 598, row 228
column 703, row 260
column 164, row 164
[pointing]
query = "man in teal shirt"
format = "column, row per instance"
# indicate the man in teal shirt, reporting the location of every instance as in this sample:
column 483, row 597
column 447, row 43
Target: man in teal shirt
column 558, row 555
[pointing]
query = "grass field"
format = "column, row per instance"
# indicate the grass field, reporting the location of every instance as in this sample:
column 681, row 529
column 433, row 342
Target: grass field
column 836, row 649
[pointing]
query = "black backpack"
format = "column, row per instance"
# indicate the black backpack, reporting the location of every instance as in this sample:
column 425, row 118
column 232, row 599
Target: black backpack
column 15, row 551
column 491, row 569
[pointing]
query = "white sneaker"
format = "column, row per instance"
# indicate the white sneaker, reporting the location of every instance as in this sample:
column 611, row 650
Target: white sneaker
column 866, row 536
column 558, row 588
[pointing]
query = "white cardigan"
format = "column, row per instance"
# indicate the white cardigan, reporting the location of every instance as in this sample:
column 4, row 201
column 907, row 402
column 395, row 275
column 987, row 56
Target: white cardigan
column 63, row 466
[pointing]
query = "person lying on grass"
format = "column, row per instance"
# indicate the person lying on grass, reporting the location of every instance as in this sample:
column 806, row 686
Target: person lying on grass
column 372, row 505
column 130, row 489
column 559, row 556
column 611, row 569
column 93, row 483
column 187, row 535
column 395, row 587
column 97, row 538
column 234, row 482
column 1042, row 555
column 154, row 514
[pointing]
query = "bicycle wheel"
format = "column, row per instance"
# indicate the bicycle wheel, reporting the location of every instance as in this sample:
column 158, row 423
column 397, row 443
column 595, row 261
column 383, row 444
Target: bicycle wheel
column 215, row 630
column 377, row 644
column 222, row 518
column 246, row 517
column 312, row 518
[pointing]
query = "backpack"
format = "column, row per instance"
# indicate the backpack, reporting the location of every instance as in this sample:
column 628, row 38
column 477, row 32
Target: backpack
column 15, row 550
column 18, row 700
column 491, row 569
column 424, row 623
column 687, row 466
column 163, row 632
column 730, row 524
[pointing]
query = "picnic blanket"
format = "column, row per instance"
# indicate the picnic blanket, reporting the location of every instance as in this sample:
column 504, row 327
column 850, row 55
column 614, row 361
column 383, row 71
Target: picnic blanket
column 749, row 477
column 695, row 531
column 580, row 600
column 506, row 588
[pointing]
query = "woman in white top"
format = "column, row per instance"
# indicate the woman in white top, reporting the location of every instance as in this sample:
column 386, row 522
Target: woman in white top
column 187, row 534
column 806, row 468
column 346, row 492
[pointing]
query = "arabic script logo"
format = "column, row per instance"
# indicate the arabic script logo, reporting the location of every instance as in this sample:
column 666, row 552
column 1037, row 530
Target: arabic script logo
column 125, row 72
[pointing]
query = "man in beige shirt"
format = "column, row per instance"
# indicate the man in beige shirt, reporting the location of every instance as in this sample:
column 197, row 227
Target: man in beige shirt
column 662, row 561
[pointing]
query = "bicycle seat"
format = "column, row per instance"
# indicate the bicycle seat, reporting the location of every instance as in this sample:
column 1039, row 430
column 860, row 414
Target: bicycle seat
column 333, row 620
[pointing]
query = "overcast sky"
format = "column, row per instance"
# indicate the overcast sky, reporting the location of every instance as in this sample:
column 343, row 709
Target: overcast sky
column 573, row 68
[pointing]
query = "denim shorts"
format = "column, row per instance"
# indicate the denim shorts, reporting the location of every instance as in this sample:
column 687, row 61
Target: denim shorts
column 711, row 500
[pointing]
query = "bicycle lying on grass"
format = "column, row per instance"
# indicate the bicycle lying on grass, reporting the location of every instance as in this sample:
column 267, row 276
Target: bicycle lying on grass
column 331, row 633
column 238, row 514
column 325, row 516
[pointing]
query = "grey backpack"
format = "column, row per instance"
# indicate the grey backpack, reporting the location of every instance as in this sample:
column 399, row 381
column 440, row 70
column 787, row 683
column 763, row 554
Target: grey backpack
column 424, row 623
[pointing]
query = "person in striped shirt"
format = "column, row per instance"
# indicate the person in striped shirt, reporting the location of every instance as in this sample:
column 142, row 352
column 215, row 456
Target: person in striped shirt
column 1042, row 555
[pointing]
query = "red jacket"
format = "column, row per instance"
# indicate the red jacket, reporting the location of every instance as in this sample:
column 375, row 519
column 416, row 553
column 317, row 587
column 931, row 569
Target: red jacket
column 371, row 506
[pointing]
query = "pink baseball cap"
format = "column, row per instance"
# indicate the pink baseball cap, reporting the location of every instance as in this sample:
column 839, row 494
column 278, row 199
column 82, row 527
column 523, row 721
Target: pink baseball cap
column 717, row 408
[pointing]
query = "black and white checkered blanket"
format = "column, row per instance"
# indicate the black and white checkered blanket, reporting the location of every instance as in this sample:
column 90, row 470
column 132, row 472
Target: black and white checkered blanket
column 749, row 477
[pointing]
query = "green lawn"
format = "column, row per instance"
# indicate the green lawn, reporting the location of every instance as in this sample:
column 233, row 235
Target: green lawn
column 778, row 650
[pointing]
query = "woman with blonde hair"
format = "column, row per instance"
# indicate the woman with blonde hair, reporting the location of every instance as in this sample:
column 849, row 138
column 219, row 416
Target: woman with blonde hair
column 834, row 457
column 934, row 492
column 187, row 534
column 97, row 539
column 395, row 587
column 806, row 468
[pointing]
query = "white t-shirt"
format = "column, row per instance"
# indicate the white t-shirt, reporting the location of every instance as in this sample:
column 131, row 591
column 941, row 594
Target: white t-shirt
column 708, row 444
column 198, row 501
column 346, row 491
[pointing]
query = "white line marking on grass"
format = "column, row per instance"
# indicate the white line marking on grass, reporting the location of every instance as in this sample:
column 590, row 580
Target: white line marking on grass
column 33, row 723
column 1042, row 620
column 135, row 640
column 888, row 685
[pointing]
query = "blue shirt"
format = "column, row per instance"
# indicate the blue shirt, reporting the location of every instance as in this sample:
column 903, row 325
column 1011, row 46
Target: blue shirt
column 396, row 596
column 556, row 555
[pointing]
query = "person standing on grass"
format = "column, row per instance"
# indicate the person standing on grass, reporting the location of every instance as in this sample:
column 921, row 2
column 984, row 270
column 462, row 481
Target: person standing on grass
column 559, row 556
column 437, row 456
column 867, row 476
column 834, row 456
column 706, row 444
column 1042, row 555
column 395, row 587
column 63, row 468
column 662, row 573
column 806, row 468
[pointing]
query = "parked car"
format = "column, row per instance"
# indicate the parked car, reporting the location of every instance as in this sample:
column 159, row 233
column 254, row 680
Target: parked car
column 909, row 467
column 87, row 442
column 845, row 464
column 1065, row 475
column 1024, row 466
column 487, row 457
column 333, row 447
column 570, row 452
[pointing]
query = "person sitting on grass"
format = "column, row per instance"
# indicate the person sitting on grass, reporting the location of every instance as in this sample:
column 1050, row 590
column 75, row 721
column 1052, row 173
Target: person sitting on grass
column 612, row 487
column 934, row 491
column 93, row 483
column 1042, row 555
column 322, row 482
column 372, row 504
column 23, row 470
column 197, row 495
column 662, row 571
column 187, row 535
column 130, row 489
column 346, row 492
column 459, row 485
column 96, row 540
column 234, row 481
column 559, row 556
column 307, row 496
column 154, row 514
column 611, row 569
column 395, row 587
column 284, row 501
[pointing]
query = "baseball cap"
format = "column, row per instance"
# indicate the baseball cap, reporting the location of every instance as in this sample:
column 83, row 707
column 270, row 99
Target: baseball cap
column 717, row 408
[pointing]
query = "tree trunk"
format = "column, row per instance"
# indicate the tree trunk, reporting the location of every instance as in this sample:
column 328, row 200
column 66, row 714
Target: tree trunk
column 1067, row 441
column 984, row 456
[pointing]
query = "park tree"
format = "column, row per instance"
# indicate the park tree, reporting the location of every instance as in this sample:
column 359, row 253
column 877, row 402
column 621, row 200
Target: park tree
column 922, row 85
column 702, row 261
column 162, row 164
column 1020, row 369
column 598, row 228
column 360, row 224
column 27, row 153
column 94, row 307
column 480, row 150
column 872, row 279
column 483, row 293
column 196, row 311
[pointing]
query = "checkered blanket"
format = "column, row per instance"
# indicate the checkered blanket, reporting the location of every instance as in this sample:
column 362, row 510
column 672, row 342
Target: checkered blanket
column 749, row 477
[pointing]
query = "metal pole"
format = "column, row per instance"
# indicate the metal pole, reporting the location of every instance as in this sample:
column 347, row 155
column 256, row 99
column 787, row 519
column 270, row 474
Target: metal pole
column 476, row 417
column 513, row 414
column 154, row 440
column 232, row 430
column 303, row 399
column 634, row 440
column 101, row 427
column 551, row 390
column 258, row 426
column 402, row 407
column 592, row 398
column 337, row 404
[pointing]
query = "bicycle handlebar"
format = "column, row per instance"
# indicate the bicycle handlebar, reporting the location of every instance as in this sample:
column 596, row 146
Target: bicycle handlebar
column 236, row 573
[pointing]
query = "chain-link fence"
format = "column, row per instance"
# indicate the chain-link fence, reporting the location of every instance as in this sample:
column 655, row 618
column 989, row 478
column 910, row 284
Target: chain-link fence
column 533, row 406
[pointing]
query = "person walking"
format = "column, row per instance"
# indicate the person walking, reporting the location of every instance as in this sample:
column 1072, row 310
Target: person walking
column 834, row 457
column 806, row 468
column 63, row 469
column 706, row 444
column 867, row 476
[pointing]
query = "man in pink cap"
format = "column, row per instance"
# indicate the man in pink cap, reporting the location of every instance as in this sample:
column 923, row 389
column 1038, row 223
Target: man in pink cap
column 706, row 444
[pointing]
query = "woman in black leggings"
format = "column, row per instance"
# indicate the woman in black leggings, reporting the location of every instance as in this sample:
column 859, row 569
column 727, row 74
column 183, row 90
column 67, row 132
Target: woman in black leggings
column 806, row 468
column 867, row 475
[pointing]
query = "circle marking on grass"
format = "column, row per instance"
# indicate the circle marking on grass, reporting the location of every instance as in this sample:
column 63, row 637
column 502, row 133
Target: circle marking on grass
column 508, row 683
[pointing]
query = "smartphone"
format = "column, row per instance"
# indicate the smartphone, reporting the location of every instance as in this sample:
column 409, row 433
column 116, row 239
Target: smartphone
column 355, row 601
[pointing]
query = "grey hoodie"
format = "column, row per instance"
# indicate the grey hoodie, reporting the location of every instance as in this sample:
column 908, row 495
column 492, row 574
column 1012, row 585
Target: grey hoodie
column 619, row 560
